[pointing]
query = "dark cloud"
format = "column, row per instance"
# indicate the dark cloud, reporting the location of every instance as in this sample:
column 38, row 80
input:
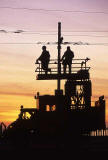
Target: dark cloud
column 3, row 31
column 18, row 31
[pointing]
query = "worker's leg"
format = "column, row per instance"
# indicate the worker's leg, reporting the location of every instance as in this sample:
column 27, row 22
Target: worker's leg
column 64, row 68
column 69, row 68
column 45, row 67
column 48, row 69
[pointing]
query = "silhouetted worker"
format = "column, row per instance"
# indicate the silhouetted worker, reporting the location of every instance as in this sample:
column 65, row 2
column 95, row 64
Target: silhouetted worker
column 44, row 58
column 67, row 59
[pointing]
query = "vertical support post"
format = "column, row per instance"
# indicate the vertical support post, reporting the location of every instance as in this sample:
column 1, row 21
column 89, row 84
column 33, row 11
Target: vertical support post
column 59, row 92
column 59, row 55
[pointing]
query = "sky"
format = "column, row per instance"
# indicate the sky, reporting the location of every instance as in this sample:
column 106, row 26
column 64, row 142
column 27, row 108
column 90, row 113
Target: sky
column 82, row 21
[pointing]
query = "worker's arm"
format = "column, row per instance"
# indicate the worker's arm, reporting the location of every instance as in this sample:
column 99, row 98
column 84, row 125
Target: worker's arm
column 39, row 59
column 36, row 61
column 63, row 57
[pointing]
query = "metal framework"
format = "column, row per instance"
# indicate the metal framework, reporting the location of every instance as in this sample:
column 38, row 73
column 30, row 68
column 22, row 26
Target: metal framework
column 79, row 69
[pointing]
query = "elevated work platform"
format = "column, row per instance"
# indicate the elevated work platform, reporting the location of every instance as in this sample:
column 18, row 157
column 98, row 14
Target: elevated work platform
column 79, row 71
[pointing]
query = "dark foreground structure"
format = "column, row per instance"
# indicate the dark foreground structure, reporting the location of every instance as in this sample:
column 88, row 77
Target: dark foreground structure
column 64, row 120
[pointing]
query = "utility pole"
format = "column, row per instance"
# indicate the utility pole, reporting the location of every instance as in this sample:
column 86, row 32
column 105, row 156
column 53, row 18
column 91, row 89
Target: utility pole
column 59, row 55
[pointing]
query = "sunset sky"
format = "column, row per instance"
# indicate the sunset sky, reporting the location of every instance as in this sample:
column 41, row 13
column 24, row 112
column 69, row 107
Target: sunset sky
column 37, row 20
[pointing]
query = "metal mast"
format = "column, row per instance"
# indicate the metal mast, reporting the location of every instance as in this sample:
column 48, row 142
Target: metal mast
column 59, row 54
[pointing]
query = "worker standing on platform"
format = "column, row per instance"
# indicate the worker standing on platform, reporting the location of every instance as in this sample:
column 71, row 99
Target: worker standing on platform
column 67, row 59
column 44, row 58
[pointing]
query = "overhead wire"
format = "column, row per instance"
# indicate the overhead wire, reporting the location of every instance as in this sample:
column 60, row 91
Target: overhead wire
column 87, row 36
column 52, row 32
column 54, row 10
column 48, row 34
column 49, row 31
column 53, row 43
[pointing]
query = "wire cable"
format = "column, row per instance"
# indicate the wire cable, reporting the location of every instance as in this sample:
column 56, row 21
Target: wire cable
column 53, row 43
column 86, row 36
column 54, row 10
column 49, row 32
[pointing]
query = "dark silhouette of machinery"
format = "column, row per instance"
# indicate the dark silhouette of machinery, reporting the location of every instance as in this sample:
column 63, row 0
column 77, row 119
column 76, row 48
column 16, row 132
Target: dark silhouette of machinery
column 68, row 112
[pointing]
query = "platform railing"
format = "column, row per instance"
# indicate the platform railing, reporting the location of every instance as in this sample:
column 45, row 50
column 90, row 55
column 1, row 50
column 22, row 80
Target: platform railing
column 77, row 64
